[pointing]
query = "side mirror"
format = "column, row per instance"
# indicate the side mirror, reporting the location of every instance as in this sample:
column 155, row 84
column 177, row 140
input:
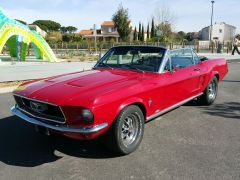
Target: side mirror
column 175, row 68
column 172, row 71
column 203, row 58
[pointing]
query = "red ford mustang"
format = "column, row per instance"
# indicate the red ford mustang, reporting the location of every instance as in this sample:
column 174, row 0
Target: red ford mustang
column 128, row 86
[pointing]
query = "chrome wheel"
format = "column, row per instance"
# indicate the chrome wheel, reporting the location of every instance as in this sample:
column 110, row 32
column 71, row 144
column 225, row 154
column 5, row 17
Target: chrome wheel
column 126, row 132
column 212, row 91
column 130, row 129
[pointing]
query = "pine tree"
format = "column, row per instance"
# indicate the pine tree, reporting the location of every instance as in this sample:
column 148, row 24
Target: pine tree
column 121, row 22
column 135, row 34
column 142, row 33
column 139, row 32
column 148, row 35
column 153, row 29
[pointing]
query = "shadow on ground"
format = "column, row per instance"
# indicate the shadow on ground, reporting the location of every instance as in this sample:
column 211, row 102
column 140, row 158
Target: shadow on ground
column 233, row 81
column 20, row 145
column 226, row 110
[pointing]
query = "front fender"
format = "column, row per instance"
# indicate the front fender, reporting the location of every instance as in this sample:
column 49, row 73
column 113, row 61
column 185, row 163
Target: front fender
column 134, row 100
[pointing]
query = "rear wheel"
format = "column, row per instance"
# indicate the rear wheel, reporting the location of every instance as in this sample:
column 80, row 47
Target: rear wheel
column 127, row 130
column 210, row 93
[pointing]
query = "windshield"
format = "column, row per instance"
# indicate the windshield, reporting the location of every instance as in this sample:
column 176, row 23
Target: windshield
column 133, row 57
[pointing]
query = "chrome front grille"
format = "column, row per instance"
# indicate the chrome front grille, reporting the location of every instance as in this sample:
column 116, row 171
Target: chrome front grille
column 42, row 111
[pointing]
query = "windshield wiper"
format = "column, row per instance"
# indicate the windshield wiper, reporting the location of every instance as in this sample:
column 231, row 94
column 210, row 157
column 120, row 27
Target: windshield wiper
column 133, row 67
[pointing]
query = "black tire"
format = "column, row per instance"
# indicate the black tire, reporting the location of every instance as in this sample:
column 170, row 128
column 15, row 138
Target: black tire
column 210, row 93
column 121, row 140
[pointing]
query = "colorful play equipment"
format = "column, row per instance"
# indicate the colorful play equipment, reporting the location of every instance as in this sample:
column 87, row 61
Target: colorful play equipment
column 18, row 37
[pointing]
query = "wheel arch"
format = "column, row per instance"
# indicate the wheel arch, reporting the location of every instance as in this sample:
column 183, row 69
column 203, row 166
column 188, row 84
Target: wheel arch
column 142, row 107
column 217, row 76
column 134, row 101
column 214, row 74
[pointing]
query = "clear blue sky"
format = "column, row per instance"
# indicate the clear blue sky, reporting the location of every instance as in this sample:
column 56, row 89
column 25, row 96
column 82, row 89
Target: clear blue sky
column 190, row 15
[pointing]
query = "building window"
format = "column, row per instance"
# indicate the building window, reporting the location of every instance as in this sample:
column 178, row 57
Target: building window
column 220, row 30
column 109, row 29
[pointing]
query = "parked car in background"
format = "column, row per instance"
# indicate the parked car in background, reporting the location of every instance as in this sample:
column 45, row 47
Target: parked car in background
column 128, row 86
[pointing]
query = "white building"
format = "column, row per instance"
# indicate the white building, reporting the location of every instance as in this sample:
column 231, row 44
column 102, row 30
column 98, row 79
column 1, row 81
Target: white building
column 38, row 29
column 220, row 32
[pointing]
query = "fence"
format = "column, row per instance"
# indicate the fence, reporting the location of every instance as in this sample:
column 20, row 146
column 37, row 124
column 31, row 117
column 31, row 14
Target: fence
column 65, row 49
column 198, row 46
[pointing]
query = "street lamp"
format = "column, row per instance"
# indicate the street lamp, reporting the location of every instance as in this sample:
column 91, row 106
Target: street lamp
column 211, row 21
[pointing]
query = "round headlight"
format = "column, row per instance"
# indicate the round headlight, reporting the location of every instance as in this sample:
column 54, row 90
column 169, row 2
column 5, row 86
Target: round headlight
column 87, row 116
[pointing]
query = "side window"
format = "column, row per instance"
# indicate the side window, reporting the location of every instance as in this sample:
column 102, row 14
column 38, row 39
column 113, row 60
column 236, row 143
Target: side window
column 181, row 58
column 196, row 58
column 167, row 66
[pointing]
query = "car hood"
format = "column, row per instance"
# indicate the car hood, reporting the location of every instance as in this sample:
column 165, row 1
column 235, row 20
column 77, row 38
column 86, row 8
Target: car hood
column 88, row 85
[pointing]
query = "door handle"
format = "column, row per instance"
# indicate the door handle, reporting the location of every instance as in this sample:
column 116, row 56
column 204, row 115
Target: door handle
column 197, row 69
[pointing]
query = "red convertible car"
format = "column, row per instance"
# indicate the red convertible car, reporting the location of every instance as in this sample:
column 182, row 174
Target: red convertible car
column 128, row 86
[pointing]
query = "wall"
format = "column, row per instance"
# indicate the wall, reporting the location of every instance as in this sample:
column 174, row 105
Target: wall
column 226, row 34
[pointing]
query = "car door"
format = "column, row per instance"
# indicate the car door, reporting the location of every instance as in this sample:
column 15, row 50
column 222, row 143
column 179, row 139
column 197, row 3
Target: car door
column 177, row 79
column 199, row 73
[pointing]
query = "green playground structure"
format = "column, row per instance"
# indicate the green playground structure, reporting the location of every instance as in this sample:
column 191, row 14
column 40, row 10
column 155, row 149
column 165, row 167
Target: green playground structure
column 17, row 37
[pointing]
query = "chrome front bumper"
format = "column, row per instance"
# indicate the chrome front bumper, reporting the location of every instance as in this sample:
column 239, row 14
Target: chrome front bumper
column 60, row 128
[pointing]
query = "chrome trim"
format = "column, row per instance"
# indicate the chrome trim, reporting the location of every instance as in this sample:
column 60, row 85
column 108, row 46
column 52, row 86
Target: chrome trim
column 43, row 103
column 65, row 119
column 164, row 62
column 34, row 116
column 34, row 99
column 61, row 128
column 172, row 107
column 160, row 47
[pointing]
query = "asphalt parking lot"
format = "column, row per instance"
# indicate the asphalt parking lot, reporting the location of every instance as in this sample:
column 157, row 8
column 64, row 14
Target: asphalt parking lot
column 191, row 142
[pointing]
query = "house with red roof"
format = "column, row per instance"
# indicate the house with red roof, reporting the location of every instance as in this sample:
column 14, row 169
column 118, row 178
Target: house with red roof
column 108, row 32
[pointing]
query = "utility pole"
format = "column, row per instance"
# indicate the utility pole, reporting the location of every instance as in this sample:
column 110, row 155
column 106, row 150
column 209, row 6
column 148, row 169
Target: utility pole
column 211, row 22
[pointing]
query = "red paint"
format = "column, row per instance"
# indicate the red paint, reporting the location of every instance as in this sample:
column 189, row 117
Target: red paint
column 107, row 91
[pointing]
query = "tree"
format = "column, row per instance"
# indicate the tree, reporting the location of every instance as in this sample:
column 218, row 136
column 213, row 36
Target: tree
column 54, row 37
column 139, row 32
column 47, row 25
column 148, row 35
column 166, row 31
column 190, row 36
column 153, row 29
column 71, row 29
column 21, row 21
column 142, row 33
column 164, row 14
column 135, row 34
column 180, row 36
column 72, row 38
column 63, row 29
column 66, row 37
column 122, row 22
column 165, row 20
column 238, row 36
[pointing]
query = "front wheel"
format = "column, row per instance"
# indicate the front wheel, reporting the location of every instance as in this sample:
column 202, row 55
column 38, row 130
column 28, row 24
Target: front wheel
column 210, row 93
column 127, row 130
